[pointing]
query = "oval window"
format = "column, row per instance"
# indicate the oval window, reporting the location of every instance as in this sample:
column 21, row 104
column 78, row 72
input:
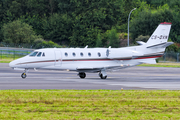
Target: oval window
column 81, row 54
column 89, row 54
column 74, row 54
column 66, row 54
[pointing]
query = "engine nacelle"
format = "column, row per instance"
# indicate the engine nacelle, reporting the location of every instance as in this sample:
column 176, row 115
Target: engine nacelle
column 123, row 53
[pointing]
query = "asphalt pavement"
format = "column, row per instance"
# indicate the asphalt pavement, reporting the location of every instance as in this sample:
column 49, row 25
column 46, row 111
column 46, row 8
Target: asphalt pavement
column 130, row 78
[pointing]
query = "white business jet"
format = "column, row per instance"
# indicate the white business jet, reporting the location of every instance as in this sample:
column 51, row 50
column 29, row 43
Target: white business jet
column 96, row 60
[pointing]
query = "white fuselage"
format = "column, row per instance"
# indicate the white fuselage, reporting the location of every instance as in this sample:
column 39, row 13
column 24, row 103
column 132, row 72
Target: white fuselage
column 74, row 58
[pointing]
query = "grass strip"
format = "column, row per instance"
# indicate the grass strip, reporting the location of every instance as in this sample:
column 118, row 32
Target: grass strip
column 174, row 65
column 89, row 104
column 7, row 60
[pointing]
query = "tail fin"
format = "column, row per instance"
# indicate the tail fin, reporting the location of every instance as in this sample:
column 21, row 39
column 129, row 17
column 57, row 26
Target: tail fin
column 160, row 35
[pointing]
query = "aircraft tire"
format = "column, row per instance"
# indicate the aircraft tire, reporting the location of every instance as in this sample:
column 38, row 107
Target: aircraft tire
column 82, row 75
column 23, row 75
column 101, row 76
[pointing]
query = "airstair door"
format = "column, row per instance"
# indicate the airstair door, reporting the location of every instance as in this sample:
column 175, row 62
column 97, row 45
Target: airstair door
column 58, row 58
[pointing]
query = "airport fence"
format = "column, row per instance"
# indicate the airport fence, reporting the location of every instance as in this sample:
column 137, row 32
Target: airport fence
column 170, row 57
column 13, row 53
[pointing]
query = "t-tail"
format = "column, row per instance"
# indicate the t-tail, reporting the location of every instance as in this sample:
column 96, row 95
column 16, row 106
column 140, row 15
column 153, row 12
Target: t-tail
column 157, row 43
column 160, row 37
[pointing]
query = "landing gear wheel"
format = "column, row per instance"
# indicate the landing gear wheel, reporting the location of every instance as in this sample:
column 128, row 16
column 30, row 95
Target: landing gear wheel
column 82, row 75
column 101, row 76
column 23, row 75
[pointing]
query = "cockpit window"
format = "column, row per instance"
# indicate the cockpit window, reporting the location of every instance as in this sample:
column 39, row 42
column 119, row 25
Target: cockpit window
column 39, row 54
column 43, row 54
column 33, row 54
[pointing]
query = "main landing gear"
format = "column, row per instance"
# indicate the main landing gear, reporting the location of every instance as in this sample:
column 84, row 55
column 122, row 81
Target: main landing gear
column 23, row 75
column 103, row 74
column 82, row 75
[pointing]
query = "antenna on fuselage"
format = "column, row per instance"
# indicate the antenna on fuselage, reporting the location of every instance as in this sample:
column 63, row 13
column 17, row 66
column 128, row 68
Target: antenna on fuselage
column 86, row 46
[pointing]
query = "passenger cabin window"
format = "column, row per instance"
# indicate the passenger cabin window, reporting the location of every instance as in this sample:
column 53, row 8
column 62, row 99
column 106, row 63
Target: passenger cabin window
column 33, row 54
column 74, row 54
column 66, row 54
column 81, row 54
column 89, row 54
column 43, row 54
column 39, row 54
column 99, row 54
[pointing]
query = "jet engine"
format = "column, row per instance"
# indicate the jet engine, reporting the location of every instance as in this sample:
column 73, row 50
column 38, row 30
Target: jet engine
column 119, row 53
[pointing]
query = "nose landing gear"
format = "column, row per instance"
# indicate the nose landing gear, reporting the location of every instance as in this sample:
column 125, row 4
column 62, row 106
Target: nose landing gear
column 23, row 75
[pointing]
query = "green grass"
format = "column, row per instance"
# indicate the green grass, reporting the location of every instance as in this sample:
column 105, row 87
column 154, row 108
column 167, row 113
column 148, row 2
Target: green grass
column 9, row 58
column 175, row 65
column 89, row 104
column 6, row 60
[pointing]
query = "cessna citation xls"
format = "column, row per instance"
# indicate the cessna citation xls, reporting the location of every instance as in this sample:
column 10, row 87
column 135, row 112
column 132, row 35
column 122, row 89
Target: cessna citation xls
column 98, row 60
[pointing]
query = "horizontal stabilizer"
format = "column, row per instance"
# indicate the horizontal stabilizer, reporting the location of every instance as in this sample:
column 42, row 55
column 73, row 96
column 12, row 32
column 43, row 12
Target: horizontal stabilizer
column 148, row 61
column 140, row 42
column 167, row 44
column 161, row 45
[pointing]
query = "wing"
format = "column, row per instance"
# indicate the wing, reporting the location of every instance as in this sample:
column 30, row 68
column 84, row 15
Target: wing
column 98, row 69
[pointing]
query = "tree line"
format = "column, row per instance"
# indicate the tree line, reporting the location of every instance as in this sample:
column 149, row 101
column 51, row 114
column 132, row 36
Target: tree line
column 96, row 23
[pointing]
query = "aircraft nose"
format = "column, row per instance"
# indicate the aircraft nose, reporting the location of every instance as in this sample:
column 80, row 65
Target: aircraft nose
column 12, row 64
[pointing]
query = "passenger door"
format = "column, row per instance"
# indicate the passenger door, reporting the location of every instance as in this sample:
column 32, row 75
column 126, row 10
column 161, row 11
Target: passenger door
column 58, row 58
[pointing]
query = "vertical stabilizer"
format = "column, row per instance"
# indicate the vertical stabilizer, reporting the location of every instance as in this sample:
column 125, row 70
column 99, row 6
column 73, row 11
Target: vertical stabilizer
column 160, row 35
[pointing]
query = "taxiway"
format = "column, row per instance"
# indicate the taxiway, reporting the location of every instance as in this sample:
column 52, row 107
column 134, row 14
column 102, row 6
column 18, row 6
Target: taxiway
column 130, row 78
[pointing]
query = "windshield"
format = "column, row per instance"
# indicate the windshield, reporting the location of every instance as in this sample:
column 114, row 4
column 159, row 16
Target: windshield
column 33, row 54
column 39, row 54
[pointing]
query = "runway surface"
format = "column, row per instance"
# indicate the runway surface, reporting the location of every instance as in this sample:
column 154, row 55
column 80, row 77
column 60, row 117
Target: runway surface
column 130, row 78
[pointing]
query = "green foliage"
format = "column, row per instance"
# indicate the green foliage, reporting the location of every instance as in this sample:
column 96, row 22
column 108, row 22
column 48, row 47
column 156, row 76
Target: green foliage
column 113, row 38
column 78, row 22
column 58, row 28
column 123, row 35
column 40, row 43
column 142, row 38
column 17, row 32
column 83, row 36
column 35, row 21
column 96, row 13
column 147, row 21
column 99, row 41
column 172, row 47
